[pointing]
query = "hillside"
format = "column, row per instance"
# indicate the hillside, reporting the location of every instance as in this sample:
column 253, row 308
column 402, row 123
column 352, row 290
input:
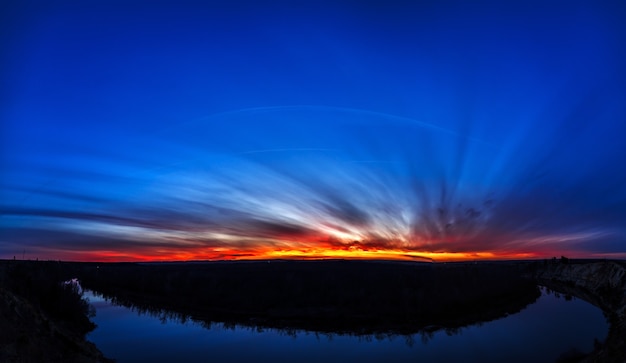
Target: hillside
column 602, row 283
column 41, row 320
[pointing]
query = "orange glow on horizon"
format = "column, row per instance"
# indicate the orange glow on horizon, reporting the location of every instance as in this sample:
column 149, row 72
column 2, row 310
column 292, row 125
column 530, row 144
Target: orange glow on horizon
column 313, row 253
column 316, row 247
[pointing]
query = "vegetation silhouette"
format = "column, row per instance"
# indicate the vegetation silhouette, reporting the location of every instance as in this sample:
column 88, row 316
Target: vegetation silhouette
column 42, row 318
column 42, row 284
column 599, row 282
column 361, row 297
column 368, row 299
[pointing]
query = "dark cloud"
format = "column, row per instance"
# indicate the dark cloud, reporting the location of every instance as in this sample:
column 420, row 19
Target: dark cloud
column 512, row 148
column 275, row 229
column 346, row 212
column 34, row 239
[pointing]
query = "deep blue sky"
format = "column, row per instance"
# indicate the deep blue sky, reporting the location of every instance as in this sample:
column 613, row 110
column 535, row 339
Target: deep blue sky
column 199, row 130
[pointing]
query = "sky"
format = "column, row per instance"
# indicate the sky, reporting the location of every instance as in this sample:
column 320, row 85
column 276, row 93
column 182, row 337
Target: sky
column 421, row 130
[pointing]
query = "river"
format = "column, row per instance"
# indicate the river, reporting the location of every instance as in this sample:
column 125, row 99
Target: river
column 542, row 332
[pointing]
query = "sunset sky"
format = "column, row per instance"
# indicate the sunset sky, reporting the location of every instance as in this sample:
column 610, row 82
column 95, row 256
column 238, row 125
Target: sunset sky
column 422, row 130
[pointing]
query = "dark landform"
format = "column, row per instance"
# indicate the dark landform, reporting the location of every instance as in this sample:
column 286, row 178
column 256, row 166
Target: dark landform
column 601, row 283
column 42, row 319
column 328, row 296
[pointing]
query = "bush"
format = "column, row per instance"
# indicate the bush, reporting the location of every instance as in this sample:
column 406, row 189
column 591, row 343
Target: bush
column 42, row 284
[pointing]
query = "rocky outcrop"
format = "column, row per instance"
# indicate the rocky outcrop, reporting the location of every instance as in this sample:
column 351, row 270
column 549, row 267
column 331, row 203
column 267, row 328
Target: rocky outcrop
column 601, row 283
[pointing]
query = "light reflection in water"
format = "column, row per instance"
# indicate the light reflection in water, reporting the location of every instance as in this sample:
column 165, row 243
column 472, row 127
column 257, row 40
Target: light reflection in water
column 542, row 332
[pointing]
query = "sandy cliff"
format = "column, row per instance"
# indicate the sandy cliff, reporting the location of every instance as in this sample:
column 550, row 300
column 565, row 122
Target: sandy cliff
column 602, row 284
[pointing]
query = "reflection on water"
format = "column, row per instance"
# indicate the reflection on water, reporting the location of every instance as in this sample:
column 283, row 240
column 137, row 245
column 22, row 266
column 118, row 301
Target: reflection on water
column 543, row 332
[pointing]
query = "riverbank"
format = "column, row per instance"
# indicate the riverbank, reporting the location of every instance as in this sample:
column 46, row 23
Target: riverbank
column 361, row 297
column 40, row 319
column 39, row 322
column 601, row 283
column 29, row 335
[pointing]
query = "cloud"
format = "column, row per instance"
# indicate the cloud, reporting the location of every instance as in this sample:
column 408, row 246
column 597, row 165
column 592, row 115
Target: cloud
column 444, row 193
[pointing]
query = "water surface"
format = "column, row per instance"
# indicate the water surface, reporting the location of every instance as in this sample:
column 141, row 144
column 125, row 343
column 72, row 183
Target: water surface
column 542, row 332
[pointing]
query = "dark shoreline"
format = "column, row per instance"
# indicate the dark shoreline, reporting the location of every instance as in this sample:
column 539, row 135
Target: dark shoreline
column 323, row 296
column 42, row 319
column 337, row 296
column 602, row 284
